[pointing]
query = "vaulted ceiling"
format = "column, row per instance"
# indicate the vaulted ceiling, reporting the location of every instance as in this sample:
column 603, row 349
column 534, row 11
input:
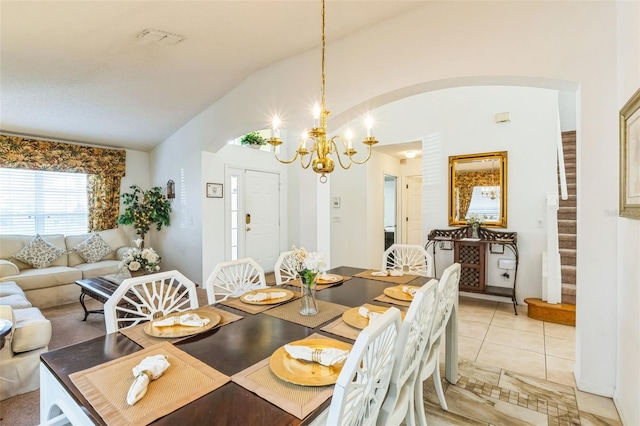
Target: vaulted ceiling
column 79, row 70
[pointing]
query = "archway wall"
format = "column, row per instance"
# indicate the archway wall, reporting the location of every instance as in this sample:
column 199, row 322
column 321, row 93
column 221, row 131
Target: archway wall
column 540, row 41
column 460, row 121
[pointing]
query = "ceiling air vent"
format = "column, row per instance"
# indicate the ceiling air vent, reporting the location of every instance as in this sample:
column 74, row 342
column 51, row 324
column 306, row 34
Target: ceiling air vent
column 162, row 37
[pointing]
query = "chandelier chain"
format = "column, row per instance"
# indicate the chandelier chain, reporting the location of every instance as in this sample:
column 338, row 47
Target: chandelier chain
column 322, row 148
column 322, row 65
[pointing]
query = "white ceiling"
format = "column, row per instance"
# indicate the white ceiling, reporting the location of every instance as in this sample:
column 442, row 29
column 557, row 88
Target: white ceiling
column 77, row 71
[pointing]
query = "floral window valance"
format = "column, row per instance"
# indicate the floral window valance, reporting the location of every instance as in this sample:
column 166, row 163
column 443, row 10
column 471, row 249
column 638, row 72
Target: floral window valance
column 105, row 168
column 22, row 153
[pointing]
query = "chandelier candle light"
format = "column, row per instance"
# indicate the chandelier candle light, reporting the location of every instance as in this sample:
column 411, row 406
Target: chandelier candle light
column 321, row 147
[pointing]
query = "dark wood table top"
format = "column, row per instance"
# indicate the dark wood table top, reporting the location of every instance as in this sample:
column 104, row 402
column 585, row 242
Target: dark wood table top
column 229, row 349
column 98, row 286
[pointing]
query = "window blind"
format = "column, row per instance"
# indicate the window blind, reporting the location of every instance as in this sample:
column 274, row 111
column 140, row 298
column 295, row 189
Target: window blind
column 41, row 202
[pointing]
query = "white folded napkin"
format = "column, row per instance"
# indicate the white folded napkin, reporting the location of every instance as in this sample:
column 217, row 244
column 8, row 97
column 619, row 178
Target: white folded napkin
column 261, row 296
column 149, row 369
column 380, row 273
column 326, row 357
column 395, row 273
column 187, row 320
column 368, row 313
column 409, row 290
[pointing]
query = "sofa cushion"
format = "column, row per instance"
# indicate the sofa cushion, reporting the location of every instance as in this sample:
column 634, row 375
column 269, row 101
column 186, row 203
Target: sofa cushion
column 93, row 249
column 33, row 279
column 32, row 330
column 8, row 288
column 16, row 301
column 99, row 269
column 39, row 253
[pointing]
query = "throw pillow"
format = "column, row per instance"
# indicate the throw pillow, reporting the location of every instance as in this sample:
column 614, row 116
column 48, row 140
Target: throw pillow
column 93, row 249
column 39, row 253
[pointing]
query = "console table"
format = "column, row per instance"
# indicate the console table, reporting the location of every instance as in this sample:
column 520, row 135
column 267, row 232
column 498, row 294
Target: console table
column 471, row 253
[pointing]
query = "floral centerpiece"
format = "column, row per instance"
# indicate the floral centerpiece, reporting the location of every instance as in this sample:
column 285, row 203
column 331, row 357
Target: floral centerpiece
column 475, row 221
column 145, row 260
column 308, row 265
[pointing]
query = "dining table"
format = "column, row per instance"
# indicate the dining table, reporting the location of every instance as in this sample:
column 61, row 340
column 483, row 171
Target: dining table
column 251, row 338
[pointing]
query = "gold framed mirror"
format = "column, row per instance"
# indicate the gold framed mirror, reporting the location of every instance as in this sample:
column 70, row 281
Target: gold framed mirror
column 478, row 185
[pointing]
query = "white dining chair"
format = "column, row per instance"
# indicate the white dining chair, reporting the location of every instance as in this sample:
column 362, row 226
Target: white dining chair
column 364, row 379
column 144, row 298
column 430, row 363
column 233, row 279
column 284, row 269
column 408, row 258
column 415, row 332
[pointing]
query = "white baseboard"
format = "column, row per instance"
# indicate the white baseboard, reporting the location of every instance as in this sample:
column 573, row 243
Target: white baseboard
column 595, row 388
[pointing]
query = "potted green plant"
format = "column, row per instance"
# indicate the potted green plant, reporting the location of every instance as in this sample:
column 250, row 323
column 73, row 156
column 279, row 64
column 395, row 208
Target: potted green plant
column 253, row 140
column 143, row 209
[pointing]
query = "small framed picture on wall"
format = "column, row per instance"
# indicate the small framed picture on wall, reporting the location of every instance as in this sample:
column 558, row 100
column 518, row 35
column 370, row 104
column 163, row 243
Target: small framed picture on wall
column 214, row 190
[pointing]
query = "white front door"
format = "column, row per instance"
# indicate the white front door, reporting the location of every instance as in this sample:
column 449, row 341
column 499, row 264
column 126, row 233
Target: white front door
column 262, row 217
column 253, row 225
column 414, row 210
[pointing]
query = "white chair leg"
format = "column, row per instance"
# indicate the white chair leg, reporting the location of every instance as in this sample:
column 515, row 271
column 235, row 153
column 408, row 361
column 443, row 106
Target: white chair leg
column 437, row 381
column 410, row 418
column 418, row 401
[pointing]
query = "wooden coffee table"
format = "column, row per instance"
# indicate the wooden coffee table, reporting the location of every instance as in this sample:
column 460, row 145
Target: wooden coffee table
column 97, row 288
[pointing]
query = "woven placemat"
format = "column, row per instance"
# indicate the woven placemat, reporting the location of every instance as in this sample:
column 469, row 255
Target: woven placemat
column 137, row 334
column 319, row 287
column 105, row 386
column 386, row 299
column 291, row 312
column 404, row 279
column 236, row 303
column 341, row 328
column 297, row 400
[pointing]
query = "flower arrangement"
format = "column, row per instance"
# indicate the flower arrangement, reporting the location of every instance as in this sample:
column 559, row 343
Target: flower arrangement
column 307, row 264
column 145, row 208
column 141, row 259
column 475, row 221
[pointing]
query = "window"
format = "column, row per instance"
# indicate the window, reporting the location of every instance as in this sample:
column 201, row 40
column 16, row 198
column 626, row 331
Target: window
column 234, row 217
column 485, row 202
column 38, row 202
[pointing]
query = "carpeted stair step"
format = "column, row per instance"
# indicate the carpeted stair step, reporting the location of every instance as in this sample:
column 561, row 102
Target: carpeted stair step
column 567, row 213
column 571, row 189
column 568, row 274
column 569, row 293
column 567, row 226
column 569, row 202
column 567, row 241
column 568, row 257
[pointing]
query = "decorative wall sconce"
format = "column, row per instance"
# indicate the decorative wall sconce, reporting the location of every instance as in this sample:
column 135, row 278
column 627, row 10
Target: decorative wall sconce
column 171, row 190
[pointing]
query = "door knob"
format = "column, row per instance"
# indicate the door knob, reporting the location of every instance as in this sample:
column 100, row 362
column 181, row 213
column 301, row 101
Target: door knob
column 248, row 229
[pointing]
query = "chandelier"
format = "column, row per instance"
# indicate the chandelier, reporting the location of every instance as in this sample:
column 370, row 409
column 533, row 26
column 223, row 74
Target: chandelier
column 315, row 144
column 489, row 192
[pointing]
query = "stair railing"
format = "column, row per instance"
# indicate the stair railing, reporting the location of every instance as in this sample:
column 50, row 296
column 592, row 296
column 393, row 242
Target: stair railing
column 561, row 169
column 552, row 289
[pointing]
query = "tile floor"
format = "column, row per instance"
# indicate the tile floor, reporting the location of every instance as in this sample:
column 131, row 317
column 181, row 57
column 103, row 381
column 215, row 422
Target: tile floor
column 514, row 370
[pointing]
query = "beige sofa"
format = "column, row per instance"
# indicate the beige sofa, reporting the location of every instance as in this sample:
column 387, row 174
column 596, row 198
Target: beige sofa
column 55, row 284
column 28, row 338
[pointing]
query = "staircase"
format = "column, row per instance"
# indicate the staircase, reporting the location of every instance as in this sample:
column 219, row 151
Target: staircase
column 567, row 221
